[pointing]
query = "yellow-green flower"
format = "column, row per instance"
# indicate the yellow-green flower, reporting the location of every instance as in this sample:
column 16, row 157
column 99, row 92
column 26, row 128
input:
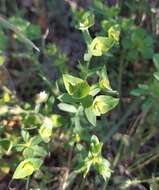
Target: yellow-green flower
column 85, row 20
column 104, row 84
column 45, row 130
column 102, row 104
column 114, row 33
column 100, row 45
column 75, row 86
column 57, row 120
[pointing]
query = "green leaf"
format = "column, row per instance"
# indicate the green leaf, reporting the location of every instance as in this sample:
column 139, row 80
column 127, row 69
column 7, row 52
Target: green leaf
column 35, row 140
column 67, row 108
column 27, row 167
column 28, row 152
column 34, row 151
column 156, row 75
column 156, row 60
column 87, row 101
column 33, row 32
column 96, row 146
column 102, row 104
column 66, row 98
column 12, row 27
column 39, row 151
column 76, row 87
column 25, row 135
column 2, row 60
column 90, row 114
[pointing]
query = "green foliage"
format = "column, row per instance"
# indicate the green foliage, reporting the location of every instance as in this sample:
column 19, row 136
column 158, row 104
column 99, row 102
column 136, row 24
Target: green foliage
column 29, row 30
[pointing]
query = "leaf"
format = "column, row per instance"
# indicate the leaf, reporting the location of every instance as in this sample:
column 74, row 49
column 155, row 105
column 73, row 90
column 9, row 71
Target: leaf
column 87, row 101
column 90, row 114
column 10, row 26
column 76, row 87
column 156, row 75
column 34, row 151
column 27, row 167
column 66, row 98
column 2, row 60
column 96, row 146
column 102, row 104
column 156, row 60
column 67, row 108
column 25, row 135
column 35, row 140
column 39, row 151
column 28, row 153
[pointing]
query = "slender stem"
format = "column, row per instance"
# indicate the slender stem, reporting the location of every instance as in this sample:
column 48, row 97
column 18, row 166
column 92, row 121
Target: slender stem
column 117, row 157
column 82, row 184
column 87, row 37
column 27, row 183
column 120, row 76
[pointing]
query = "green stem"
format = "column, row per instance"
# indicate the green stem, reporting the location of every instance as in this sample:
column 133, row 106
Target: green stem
column 27, row 183
column 117, row 158
column 87, row 37
column 120, row 77
column 88, row 40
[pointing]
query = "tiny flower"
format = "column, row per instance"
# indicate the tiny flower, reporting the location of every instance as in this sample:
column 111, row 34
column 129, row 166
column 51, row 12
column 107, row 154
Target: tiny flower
column 114, row 33
column 45, row 130
column 41, row 97
column 102, row 104
column 85, row 20
column 75, row 86
column 57, row 120
column 104, row 84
